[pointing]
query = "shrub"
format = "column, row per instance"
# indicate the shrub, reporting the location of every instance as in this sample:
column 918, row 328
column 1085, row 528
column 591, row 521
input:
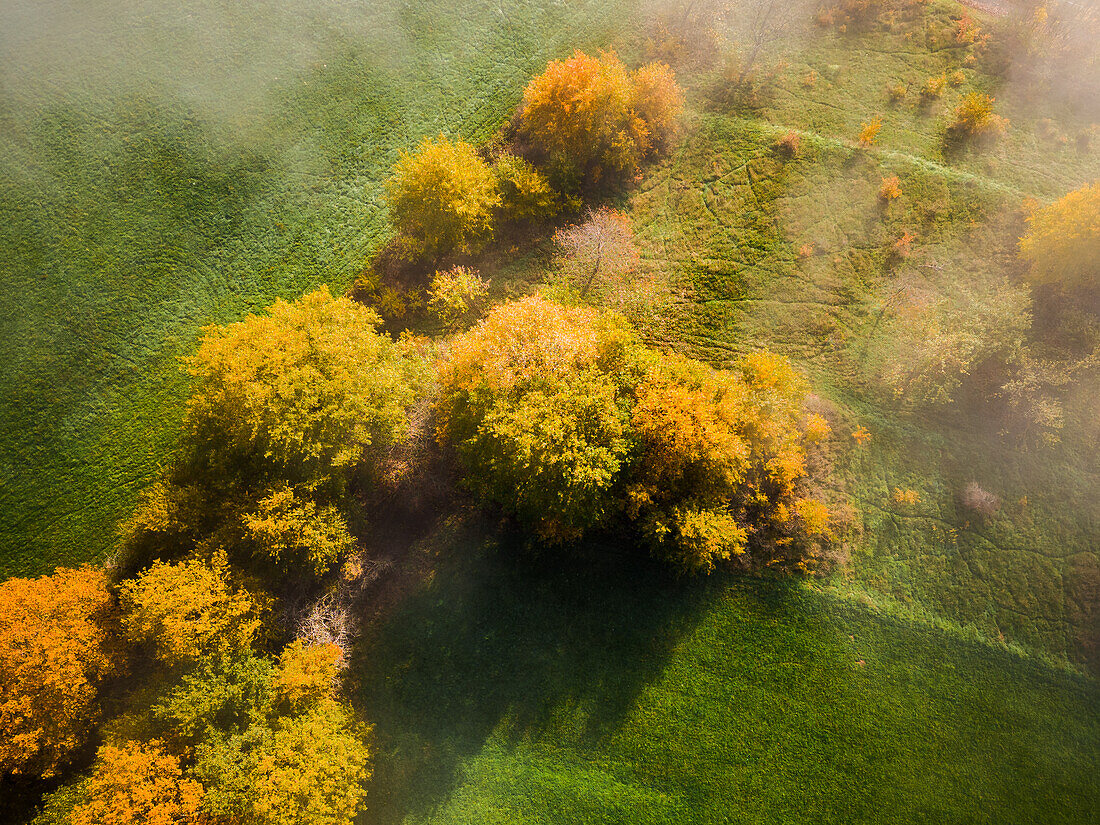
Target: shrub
column 525, row 194
column 187, row 611
column 868, row 134
column 974, row 117
column 979, row 500
column 933, row 87
column 139, row 784
column 55, row 649
column 456, row 293
column 956, row 79
column 1062, row 243
column 789, row 145
column 896, row 92
column 890, row 188
column 442, row 197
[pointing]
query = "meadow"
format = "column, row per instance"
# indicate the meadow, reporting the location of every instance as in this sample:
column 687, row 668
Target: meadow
column 942, row 677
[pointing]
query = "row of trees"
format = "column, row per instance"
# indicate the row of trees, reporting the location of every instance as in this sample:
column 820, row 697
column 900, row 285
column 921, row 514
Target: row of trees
column 584, row 121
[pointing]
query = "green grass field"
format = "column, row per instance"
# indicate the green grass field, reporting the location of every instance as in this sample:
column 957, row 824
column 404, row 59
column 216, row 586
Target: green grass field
column 935, row 682
column 510, row 694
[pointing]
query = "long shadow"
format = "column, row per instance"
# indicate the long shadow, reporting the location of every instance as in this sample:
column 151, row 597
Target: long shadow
column 496, row 644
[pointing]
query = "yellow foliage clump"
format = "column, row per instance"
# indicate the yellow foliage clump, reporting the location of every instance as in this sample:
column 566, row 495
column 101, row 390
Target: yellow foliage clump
column 890, row 188
column 139, row 785
column 1062, row 244
column 187, row 611
column 54, row 650
column 974, row 117
column 306, row 673
column 908, row 497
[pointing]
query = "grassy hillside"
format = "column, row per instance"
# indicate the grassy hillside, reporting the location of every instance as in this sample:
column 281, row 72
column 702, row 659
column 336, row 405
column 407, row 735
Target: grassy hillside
column 144, row 193
column 518, row 695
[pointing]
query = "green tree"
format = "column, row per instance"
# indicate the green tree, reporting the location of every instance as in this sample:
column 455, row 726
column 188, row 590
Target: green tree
column 442, row 197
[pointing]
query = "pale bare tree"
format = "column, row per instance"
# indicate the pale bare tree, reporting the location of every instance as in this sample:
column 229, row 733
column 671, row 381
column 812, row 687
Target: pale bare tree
column 598, row 249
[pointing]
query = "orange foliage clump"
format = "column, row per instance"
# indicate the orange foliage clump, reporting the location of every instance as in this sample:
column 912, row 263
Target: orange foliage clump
column 306, row 672
column 868, row 134
column 139, row 785
column 890, row 189
column 54, row 650
column 593, row 118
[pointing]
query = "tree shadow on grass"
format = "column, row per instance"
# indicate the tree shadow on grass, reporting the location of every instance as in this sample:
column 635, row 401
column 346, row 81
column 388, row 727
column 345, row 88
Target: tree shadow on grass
column 497, row 643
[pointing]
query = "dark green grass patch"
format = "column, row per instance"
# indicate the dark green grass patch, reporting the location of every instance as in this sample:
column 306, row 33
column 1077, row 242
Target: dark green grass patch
column 526, row 695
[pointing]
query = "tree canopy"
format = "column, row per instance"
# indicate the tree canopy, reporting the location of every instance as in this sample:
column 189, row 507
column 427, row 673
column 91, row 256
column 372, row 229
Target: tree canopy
column 55, row 649
column 1062, row 244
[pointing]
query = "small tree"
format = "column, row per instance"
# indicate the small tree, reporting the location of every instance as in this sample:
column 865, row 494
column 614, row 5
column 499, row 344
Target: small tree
column 139, row 784
column 55, row 648
column 526, row 195
column 1062, row 244
column 186, row 611
column 600, row 249
column 442, row 197
column 659, row 102
column 868, row 133
column 455, row 294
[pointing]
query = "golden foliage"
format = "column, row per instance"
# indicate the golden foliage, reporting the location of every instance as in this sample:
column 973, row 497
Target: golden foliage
column 1062, row 244
column 54, row 650
column 305, row 387
column 592, row 118
column 974, row 117
column 456, row 293
column 139, row 785
column 868, row 132
column 187, row 611
column 442, row 197
column 890, row 188
column 307, row 673
column 293, row 531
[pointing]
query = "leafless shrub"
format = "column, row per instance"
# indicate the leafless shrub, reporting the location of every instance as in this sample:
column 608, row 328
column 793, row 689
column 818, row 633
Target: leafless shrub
column 328, row 621
column 980, row 500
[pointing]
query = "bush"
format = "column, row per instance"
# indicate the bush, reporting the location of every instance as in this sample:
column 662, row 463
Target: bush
column 789, row 145
column 974, row 118
column 868, row 134
column 455, row 294
column 933, row 87
column 890, row 189
column 442, row 198
column 1062, row 243
column 55, row 649
column 526, row 195
column 980, row 501
column 659, row 102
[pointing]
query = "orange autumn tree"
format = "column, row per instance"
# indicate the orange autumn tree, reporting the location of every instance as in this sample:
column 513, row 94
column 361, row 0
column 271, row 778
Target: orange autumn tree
column 138, row 784
column 55, row 648
column 592, row 119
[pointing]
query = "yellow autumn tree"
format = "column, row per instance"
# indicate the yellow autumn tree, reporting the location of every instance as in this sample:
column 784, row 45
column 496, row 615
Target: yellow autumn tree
column 442, row 197
column 306, row 673
column 55, row 648
column 294, row 533
column 1062, row 244
column 186, row 611
column 138, row 784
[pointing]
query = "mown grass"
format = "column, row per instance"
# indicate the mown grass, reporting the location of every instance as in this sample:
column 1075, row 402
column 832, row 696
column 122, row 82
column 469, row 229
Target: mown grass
column 132, row 213
column 541, row 694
